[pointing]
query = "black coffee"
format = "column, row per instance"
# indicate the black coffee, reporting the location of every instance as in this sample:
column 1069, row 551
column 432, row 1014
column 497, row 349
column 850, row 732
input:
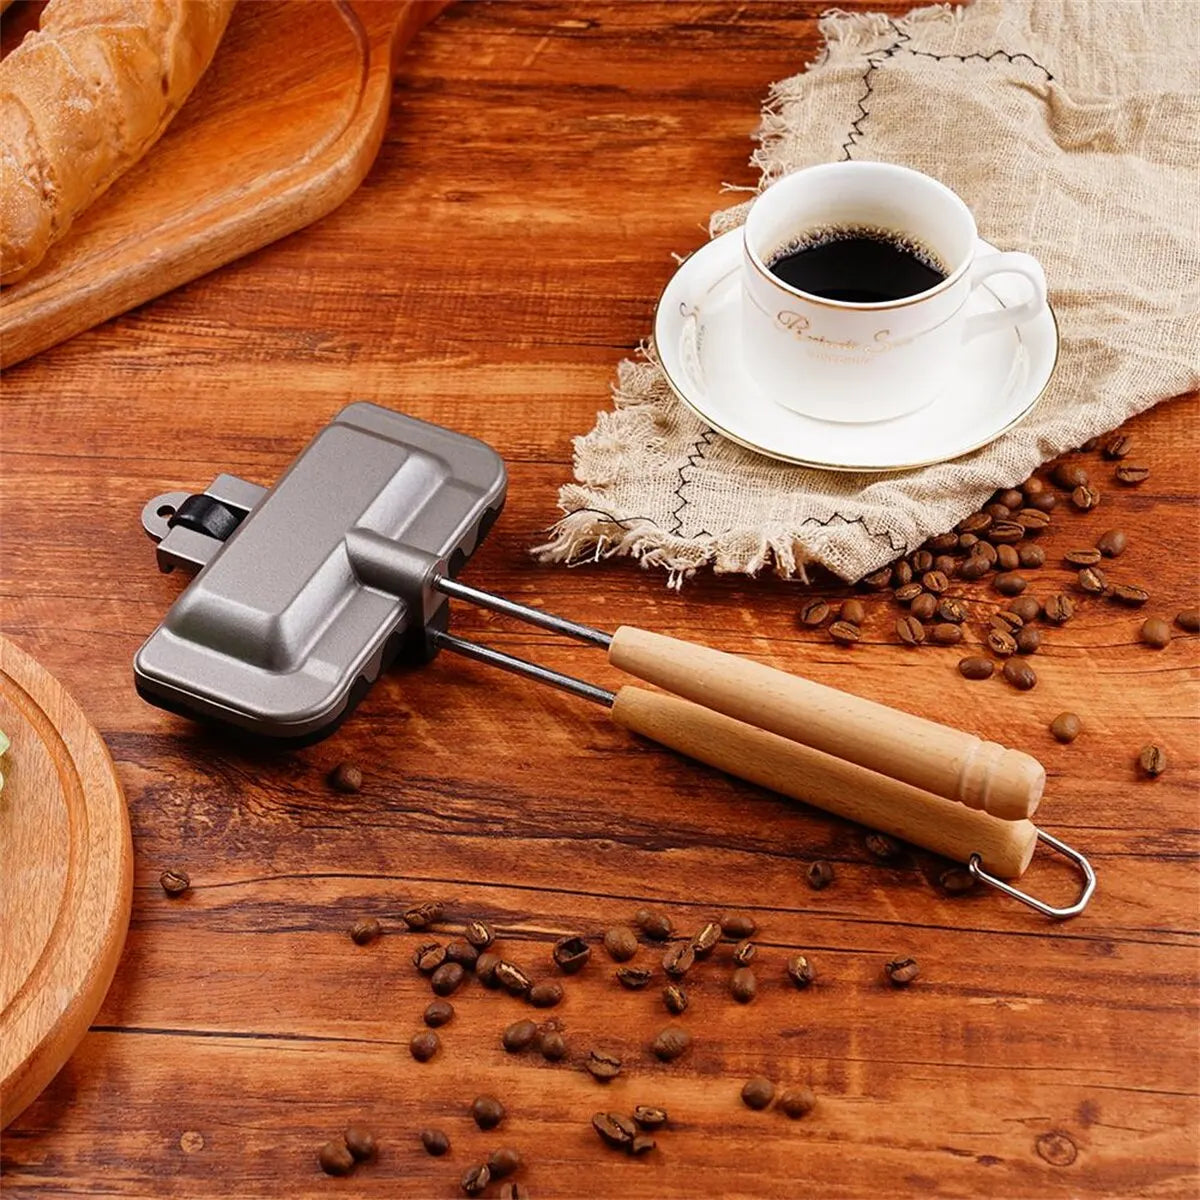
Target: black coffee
column 858, row 266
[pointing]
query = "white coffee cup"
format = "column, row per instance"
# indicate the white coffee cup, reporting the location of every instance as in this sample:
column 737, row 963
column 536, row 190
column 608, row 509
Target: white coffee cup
column 858, row 362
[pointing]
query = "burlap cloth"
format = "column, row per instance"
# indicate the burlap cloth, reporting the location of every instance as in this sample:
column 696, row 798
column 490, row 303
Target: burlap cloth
column 1072, row 130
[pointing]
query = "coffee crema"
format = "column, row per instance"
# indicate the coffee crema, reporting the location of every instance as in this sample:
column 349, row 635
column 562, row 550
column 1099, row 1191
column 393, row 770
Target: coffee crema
column 857, row 265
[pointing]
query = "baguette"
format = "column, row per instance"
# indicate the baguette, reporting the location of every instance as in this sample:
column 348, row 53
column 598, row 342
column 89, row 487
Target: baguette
column 82, row 99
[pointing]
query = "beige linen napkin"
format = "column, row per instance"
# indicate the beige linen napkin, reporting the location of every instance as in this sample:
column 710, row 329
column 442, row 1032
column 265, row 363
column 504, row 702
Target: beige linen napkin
column 1072, row 129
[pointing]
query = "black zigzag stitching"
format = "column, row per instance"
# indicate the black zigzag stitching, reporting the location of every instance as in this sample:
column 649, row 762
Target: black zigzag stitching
column 693, row 460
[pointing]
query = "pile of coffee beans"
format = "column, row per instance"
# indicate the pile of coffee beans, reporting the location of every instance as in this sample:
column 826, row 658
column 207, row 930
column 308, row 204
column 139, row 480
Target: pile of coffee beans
column 633, row 1135
column 341, row 1155
column 794, row 1102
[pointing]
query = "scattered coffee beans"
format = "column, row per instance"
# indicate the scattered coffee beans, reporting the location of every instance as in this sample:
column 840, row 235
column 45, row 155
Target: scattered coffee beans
column 800, row 970
column 621, row 943
column 1130, row 594
column 365, row 930
column 1152, row 761
column 654, row 924
column 738, row 925
column 518, row 1036
column 853, row 611
column 487, row 1111
column 546, row 995
column 571, row 953
column 346, row 778
column 1155, row 632
column 616, row 1130
column 175, row 883
column 447, row 979
column 815, row 612
column 743, row 985
column 424, row 1045
column 757, row 1093
column 706, row 940
column 480, row 934
column 900, row 972
column 1020, row 674
column 671, row 1043
column 675, row 998
column 553, row 1046
column 435, row 1142
column 1189, row 620
column 423, row 915
column 1131, row 475
column 602, row 1066
column 475, row 1179
column 633, row 978
column 462, row 952
column 335, row 1158
column 678, row 960
column 820, row 875
column 844, row 633
column 910, row 631
column 360, row 1141
column 974, row 667
column 1066, row 727
column 649, row 1117
column 511, row 978
column 882, row 846
column 438, row 1013
column 797, row 1102
column 743, row 953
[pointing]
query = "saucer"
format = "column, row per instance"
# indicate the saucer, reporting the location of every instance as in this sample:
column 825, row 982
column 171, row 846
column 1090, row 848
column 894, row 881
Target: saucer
column 996, row 382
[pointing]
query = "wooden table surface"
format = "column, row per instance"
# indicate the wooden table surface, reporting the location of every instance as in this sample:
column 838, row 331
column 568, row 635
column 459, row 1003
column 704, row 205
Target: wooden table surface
column 543, row 162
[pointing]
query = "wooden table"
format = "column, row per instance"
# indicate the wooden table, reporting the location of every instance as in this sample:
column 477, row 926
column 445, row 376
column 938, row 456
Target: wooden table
column 543, row 163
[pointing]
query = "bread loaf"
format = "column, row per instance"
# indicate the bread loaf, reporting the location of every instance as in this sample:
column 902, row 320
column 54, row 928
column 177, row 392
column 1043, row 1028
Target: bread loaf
column 82, row 99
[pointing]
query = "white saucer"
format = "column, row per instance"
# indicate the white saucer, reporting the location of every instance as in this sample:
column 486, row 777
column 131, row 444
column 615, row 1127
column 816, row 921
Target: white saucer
column 997, row 381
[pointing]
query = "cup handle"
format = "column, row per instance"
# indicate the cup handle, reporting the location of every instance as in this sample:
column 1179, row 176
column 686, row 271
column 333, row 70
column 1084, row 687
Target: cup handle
column 1013, row 262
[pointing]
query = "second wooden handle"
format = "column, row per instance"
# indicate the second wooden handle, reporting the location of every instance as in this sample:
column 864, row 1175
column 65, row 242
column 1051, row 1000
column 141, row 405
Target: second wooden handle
column 932, row 757
column 1004, row 847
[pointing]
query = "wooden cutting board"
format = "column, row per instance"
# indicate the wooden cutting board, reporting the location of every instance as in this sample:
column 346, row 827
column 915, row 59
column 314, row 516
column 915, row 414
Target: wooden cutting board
column 281, row 129
column 67, row 879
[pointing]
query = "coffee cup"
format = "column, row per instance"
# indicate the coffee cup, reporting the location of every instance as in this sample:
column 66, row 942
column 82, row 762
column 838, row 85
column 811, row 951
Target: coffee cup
column 856, row 278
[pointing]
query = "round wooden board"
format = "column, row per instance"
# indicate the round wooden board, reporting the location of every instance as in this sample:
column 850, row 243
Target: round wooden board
column 67, row 881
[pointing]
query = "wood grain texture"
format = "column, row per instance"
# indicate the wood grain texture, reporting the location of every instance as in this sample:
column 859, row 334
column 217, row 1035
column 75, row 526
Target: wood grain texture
column 542, row 164
column 68, row 877
column 281, row 130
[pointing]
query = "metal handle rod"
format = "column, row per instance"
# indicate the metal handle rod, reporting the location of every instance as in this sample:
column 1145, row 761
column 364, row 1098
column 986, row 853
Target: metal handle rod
column 519, row 666
column 522, row 612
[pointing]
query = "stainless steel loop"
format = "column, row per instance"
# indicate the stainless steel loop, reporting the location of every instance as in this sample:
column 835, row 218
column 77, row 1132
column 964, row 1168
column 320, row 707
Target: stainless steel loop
column 1047, row 910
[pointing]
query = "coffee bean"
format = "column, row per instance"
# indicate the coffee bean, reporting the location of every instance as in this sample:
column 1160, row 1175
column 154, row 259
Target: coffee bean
column 1026, row 607
column 957, row 881
column 1188, row 620
column 946, row 634
column 1155, row 632
column 1065, row 727
column 738, row 925
column 621, row 943
column 1058, row 609
column 360, row 1141
column 424, row 1046
column 1005, row 533
column 1084, row 556
column 435, row 1142
column 678, row 960
column 513, row 1189
column 654, row 924
column 1131, row 475
column 602, row 1066
column 503, row 1162
column 1011, row 498
column 819, row 875
column 615, row 1129
column 901, row 972
column 1033, row 520
column 675, row 998
column 462, row 952
column 485, row 969
column 1031, row 557
column 649, row 1117
column 1033, row 486
column 447, row 979
column 800, row 970
column 1069, row 476
column 908, row 592
column 1152, row 761
column 335, row 1159
column 975, row 523
column 941, row 542
column 706, row 940
column 1044, row 502
column 901, row 573
column 935, row 581
column 844, row 633
column 1010, row 583
column 1092, row 581
column 571, row 953
column 1020, row 674
column 743, row 985
column 1130, row 594
column 946, row 565
column 997, row 511
column 877, row 581
column 924, row 606
column 757, row 1093
column 423, row 915
column 853, row 611
column 1085, row 498
column 1111, row 543
column 922, row 561
column 346, row 778
column 553, row 1046
column 487, row 1111
column 974, row 667
column 511, row 978
column 633, row 978
column 671, row 1043
column 797, row 1102
column 1029, row 640
column 1118, row 446
column 1007, row 558
column 949, row 609
column 428, row 957
column 967, row 542
column 976, row 567
column 1006, row 621
column 546, row 994
column 475, row 1179
column 365, row 930
column 480, row 934
column 1002, row 644
column 743, row 953
column 438, row 1013
column 815, row 612
column 987, row 552
column 881, row 846
column 175, row 883
column 910, row 631
column 642, row 1144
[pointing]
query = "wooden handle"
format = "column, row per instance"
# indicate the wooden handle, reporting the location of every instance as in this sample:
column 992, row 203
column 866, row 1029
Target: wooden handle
column 833, row 784
column 932, row 757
